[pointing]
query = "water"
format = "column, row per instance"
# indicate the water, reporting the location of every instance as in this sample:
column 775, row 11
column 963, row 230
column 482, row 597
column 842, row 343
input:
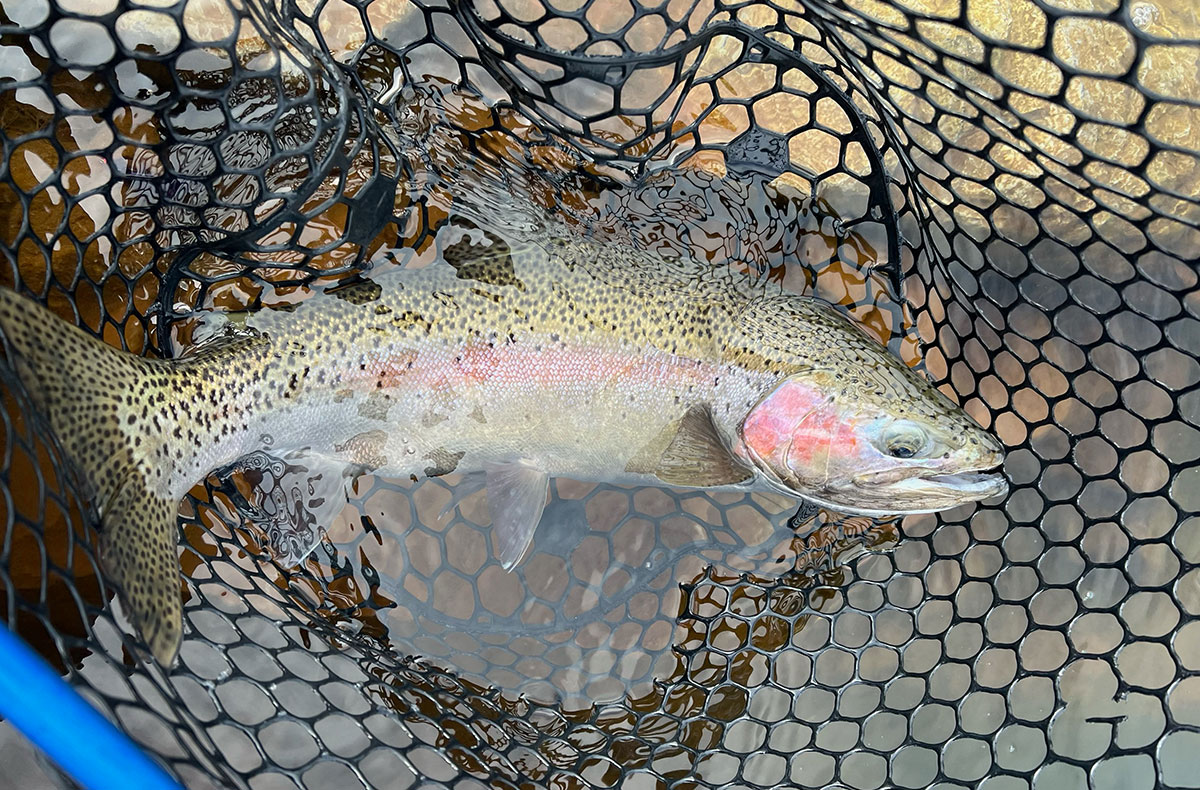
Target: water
column 1049, row 227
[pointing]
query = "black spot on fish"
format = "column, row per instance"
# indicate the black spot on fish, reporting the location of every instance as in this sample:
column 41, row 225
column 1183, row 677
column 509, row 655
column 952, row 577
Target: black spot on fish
column 495, row 297
column 409, row 319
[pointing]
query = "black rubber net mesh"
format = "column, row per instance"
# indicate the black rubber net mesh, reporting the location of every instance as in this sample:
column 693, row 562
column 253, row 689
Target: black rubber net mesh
column 1026, row 172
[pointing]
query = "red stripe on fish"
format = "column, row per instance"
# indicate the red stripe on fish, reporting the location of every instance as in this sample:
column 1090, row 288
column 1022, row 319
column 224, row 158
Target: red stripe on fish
column 544, row 368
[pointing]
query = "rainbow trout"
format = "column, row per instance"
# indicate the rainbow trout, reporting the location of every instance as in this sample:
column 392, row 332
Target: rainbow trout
column 566, row 357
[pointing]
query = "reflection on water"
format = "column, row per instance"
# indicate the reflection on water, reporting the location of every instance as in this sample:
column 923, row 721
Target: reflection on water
column 134, row 205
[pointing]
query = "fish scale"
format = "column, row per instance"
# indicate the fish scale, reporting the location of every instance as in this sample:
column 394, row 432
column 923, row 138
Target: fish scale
column 565, row 357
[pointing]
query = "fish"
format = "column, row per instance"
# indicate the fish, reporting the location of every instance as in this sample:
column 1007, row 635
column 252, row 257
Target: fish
column 522, row 361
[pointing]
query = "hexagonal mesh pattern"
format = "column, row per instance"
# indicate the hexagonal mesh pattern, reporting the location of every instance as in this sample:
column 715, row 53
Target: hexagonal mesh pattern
column 1027, row 171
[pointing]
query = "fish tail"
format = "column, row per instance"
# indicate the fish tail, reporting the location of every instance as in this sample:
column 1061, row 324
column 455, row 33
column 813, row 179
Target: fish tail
column 106, row 408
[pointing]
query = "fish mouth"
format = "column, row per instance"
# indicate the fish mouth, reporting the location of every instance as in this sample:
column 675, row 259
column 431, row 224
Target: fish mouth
column 918, row 490
column 984, row 484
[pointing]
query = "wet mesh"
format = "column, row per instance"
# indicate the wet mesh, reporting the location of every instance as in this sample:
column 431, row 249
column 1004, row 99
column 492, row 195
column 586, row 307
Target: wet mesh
column 1029, row 171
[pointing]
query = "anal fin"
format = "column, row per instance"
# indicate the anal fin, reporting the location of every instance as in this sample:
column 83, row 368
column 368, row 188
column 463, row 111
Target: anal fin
column 516, row 494
column 140, row 549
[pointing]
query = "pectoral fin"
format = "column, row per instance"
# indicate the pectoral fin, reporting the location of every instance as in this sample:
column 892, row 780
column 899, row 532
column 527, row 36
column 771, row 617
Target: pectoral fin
column 690, row 452
column 516, row 494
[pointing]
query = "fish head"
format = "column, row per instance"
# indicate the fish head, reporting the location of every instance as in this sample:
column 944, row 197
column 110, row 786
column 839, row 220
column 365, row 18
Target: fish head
column 886, row 444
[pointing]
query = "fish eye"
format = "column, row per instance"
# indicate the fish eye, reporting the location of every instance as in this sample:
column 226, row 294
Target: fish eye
column 905, row 440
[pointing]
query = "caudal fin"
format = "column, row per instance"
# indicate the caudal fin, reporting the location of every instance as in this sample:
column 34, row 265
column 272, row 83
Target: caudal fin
column 104, row 406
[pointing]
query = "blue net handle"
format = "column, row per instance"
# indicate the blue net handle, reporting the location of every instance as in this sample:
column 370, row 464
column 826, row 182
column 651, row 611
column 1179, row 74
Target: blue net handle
column 71, row 732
